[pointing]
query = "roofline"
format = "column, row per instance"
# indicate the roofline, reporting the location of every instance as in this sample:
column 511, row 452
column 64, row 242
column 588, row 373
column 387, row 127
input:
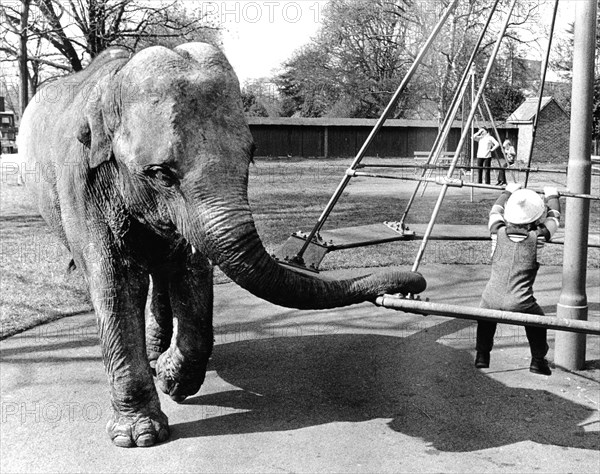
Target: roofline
column 560, row 107
column 354, row 122
column 532, row 99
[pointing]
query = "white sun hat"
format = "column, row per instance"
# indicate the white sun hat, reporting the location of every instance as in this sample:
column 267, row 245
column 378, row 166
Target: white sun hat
column 524, row 206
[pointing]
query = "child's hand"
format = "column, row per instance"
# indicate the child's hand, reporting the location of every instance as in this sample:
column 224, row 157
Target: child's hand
column 512, row 187
column 550, row 191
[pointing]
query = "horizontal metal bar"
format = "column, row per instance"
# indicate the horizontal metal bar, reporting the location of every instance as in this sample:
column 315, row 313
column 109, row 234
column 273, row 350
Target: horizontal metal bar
column 462, row 167
column 483, row 314
column 567, row 193
column 459, row 183
column 385, row 176
column 442, row 180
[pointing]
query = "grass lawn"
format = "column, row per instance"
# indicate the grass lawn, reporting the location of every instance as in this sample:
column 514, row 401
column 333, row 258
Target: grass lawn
column 286, row 195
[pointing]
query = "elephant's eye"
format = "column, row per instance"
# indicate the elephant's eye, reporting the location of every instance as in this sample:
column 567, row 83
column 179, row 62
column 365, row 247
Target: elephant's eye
column 161, row 173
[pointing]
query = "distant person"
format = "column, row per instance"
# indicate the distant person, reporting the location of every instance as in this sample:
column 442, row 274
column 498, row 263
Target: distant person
column 520, row 222
column 487, row 145
column 510, row 154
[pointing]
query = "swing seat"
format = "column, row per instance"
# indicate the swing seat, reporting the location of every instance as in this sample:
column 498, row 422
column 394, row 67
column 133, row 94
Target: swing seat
column 374, row 234
column 362, row 236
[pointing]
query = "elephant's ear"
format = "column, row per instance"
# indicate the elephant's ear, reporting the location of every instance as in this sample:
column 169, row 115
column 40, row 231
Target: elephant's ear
column 100, row 115
column 92, row 133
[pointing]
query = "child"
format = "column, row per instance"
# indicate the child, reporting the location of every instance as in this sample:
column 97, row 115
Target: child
column 509, row 151
column 510, row 154
column 520, row 222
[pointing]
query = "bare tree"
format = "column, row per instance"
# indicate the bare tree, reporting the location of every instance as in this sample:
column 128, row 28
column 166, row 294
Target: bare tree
column 445, row 65
column 63, row 34
column 351, row 67
column 364, row 47
column 23, row 57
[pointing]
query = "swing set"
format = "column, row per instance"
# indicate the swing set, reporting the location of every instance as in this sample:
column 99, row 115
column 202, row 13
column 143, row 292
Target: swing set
column 305, row 251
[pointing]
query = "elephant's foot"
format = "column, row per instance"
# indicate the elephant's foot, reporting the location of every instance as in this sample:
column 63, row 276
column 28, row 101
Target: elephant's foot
column 139, row 429
column 179, row 376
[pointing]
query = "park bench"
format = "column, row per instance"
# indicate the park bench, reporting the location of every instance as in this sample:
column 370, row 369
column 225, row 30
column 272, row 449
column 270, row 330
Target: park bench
column 445, row 157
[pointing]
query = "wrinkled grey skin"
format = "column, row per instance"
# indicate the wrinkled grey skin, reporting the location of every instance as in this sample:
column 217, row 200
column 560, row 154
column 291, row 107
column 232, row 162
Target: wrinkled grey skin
column 143, row 173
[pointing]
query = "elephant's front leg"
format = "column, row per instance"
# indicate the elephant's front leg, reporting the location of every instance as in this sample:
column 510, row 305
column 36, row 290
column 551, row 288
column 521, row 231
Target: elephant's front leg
column 119, row 294
column 181, row 369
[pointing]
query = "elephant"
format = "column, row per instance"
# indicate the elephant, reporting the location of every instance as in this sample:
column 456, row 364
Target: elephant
column 139, row 164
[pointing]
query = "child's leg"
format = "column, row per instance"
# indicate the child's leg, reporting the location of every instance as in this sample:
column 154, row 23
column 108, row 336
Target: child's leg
column 502, row 175
column 485, row 336
column 537, row 341
column 536, row 336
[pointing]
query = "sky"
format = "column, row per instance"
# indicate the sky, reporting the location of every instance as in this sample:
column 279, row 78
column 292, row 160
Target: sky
column 260, row 35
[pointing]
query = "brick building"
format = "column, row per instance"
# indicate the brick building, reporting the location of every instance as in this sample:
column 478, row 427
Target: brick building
column 552, row 135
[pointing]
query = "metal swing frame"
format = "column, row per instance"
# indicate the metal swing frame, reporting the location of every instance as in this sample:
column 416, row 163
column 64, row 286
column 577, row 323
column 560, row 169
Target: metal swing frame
column 574, row 316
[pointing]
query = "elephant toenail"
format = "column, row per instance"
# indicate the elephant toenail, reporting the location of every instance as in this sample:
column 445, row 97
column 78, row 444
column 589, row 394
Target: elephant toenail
column 145, row 440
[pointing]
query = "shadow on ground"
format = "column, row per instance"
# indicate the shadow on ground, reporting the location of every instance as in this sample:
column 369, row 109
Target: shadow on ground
column 429, row 390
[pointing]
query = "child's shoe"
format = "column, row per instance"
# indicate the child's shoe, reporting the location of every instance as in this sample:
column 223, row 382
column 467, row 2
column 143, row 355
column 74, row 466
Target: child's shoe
column 482, row 360
column 540, row 366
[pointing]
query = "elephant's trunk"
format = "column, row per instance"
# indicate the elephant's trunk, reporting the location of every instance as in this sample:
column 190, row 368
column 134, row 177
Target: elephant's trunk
column 230, row 237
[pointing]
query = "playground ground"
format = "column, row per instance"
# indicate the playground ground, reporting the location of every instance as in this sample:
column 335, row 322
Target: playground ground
column 358, row 389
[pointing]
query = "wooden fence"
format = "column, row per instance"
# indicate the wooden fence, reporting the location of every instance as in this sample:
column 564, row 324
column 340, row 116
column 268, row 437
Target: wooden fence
column 328, row 137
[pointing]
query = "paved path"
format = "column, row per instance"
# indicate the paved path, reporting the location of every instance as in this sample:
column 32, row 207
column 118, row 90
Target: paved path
column 359, row 389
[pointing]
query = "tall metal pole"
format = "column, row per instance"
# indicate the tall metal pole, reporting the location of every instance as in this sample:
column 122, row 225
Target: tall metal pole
column 536, row 117
column 461, row 142
column 572, row 304
column 445, row 129
column 472, row 125
column 386, row 113
column 438, row 145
